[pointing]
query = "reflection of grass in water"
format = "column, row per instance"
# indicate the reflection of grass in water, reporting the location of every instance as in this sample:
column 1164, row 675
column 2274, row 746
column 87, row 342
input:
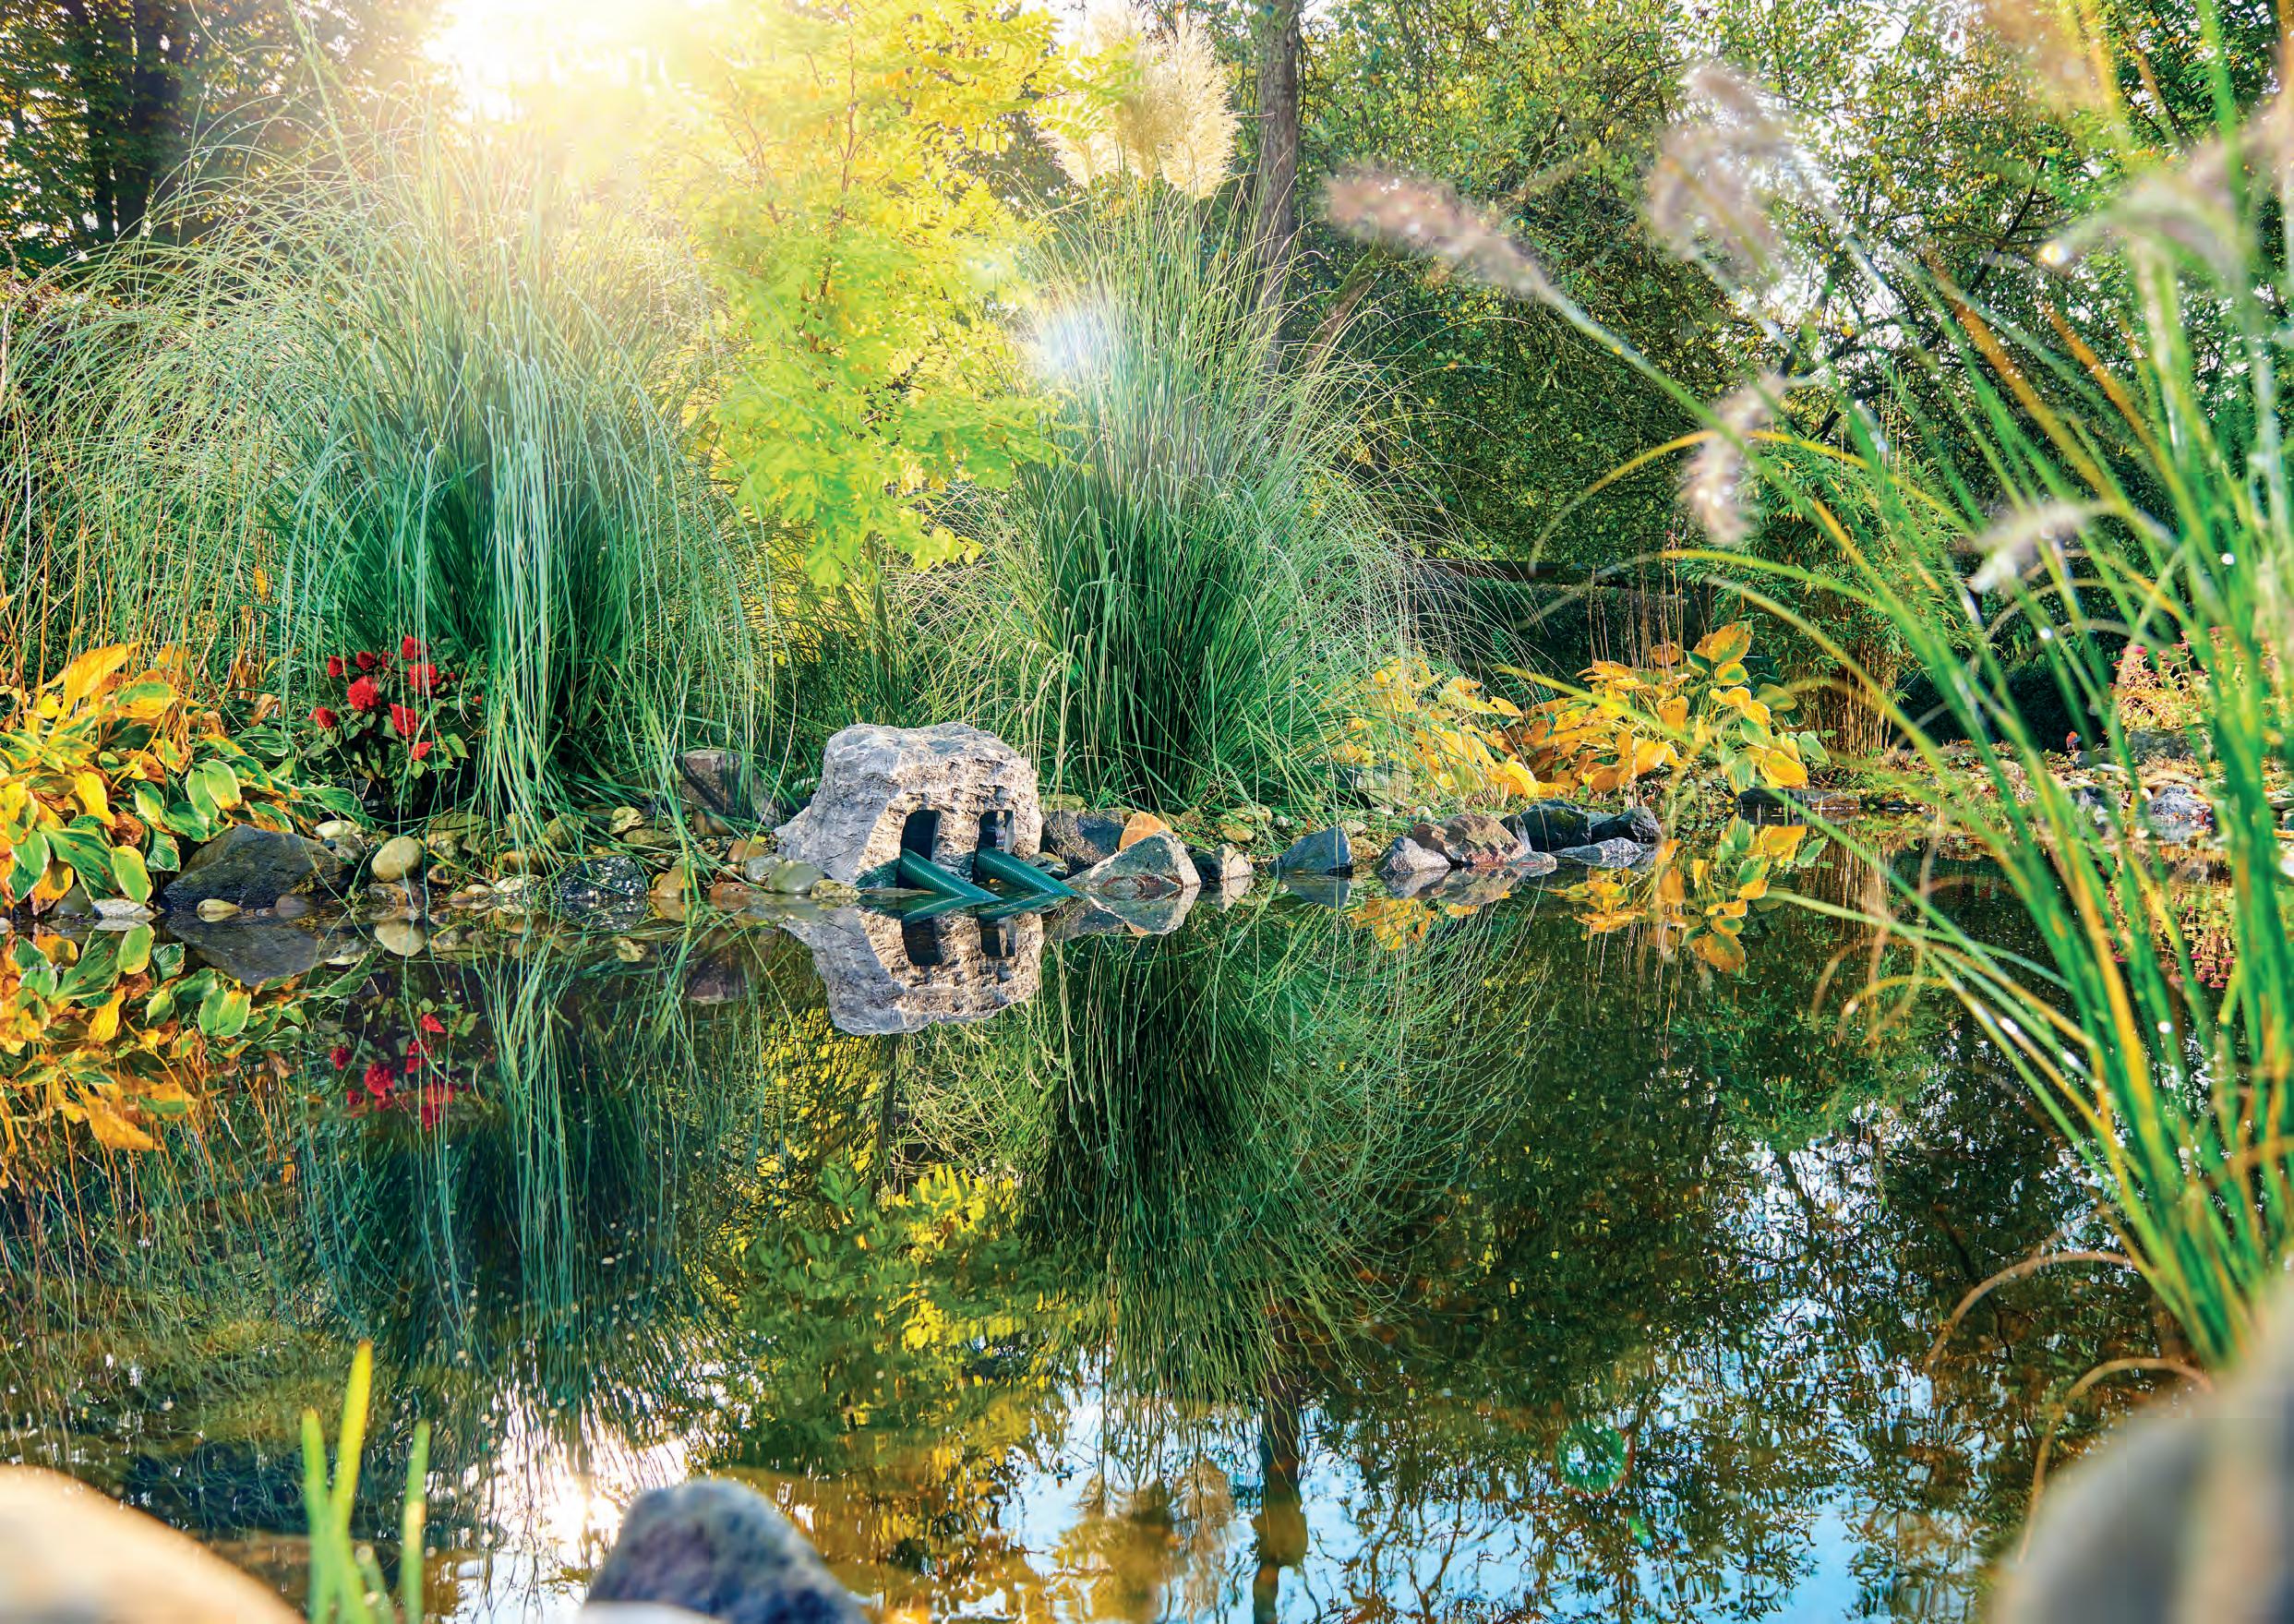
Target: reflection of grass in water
column 540, row 1271
column 1220, row 1137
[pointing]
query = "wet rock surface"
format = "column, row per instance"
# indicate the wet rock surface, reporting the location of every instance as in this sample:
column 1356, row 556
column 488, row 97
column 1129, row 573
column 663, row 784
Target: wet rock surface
column 252, row 868
column 2177, row 814
column 1081, row 839
column 1326, row 851
column 254, row 951
column 1407, row 864
column 1470, row 840
column 1635, row 823
column 1152, row 866
column 1552, row 825
column 1604, row 854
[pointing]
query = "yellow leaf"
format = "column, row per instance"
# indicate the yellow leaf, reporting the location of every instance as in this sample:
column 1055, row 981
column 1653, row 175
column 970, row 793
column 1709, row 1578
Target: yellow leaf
column 1722, row 953
column 88, row 673
column 103, row 1025
column 1674, row 712
column 88, row 789
column 1514, row 778
column 1664, row 654
column 1753, row 890
column 1783, row 770
column 112, row 1131
column 1724, row 643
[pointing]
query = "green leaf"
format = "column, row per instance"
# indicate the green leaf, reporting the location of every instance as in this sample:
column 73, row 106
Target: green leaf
column 31, row 861
column 202, row 797
column 135, row 950
column 224, row 1013
column 133, row 878
column 150, row 805
column 222, row 784
column 167, row 959
column 165, row 854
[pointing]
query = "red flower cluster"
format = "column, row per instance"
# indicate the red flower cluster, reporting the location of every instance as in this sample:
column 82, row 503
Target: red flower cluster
column 388, row 1083
column 394, row 715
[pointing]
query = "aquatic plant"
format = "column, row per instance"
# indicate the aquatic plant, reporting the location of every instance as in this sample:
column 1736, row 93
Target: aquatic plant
column 415, row 384
column 346, row 1584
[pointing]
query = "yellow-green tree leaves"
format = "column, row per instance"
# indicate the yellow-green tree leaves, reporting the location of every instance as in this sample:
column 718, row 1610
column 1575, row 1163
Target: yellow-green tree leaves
column 866, row 261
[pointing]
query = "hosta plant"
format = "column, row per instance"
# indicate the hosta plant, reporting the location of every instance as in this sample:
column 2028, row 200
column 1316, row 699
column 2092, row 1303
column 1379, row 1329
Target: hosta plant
column 1700, row 903
column 109, row 770
column 1436, row 736
column 1716, row 705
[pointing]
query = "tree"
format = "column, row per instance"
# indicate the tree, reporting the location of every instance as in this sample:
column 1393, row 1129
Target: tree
column 866, row 259
column 102, row 102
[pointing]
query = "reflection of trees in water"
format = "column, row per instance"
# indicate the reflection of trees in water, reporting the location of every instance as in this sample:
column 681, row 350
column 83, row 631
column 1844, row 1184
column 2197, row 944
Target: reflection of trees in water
column 1257, row 1212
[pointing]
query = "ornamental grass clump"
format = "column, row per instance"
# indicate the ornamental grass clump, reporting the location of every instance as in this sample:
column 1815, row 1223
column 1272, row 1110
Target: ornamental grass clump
column 418, row 386
column 1174, row 604
column 2111, row 472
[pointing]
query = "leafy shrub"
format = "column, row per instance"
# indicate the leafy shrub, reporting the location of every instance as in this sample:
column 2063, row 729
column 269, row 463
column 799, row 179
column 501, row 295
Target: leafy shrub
column 403, row 729
column 1434, row 734
column 103, row 773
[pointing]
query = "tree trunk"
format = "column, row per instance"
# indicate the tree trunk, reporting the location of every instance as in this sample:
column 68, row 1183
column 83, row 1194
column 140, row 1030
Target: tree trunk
column 1280, row 47
column 151, row 144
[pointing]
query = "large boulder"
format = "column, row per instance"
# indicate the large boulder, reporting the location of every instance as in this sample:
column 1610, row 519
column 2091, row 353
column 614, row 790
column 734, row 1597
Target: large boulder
column 256, row 951
column 1552, row 825
column 721, row 1550
column 1326, row 851
column 1470, row 840
column 1635, row 823
column 252, row 868
column 939, row 789
column 1154, row 865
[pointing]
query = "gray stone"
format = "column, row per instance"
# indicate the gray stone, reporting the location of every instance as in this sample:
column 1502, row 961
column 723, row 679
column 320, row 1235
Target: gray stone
column 1148, row 916
column 1604, row 854
column 2099, row 803
column 1531, row 865
column 254, row 868
column 793, row 879
column 1407, row 863
column 2177, row 815
column 1552, row 825
column 399, row 859
column 1766, row 806
column 404, row 938
column 720, row 782
column 1635, row 823
column 1470, row 840
column 600, row 893
column 721, row 1550
column 874, row 779
column 1154, row 865
column 1225, row 869
column 108, row 908
column 1081, row 839
column 1326, row 851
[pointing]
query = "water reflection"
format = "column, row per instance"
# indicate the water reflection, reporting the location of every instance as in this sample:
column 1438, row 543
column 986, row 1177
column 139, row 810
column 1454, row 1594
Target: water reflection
column 1296, row 1263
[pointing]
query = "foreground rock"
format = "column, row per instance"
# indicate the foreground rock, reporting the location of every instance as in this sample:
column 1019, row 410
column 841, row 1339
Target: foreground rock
column 1326, row 851
column 718, row 1550
column 1225, row 869
column 1470, row 840
column 400, row 858
column 70, row 1555
column 956, row 783
column 1552, row 825
column 1154, row 865
column 1604, row 854
column 252, row 868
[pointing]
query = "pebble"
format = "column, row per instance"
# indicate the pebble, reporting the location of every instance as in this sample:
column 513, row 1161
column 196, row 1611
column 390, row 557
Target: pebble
column 403, row 937
column 214, row 909
column 399, row 859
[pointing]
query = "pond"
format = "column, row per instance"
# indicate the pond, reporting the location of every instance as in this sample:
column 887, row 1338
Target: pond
column 1459, row 1258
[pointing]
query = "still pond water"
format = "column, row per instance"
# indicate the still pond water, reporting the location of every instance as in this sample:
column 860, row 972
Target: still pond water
column 1439, row 1260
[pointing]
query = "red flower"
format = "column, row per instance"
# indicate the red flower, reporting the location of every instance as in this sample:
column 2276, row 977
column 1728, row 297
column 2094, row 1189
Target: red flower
column 423, row 678
column 404, row 721
column 419, row 749
column 430, row 1023
column 334, row 665
column 364, row 695
column 378, row 1080
column 324, row 718
column 366, row 662
column 414, row 1060
column 409, row 650
column 340, row 1055
column 434, row 1098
